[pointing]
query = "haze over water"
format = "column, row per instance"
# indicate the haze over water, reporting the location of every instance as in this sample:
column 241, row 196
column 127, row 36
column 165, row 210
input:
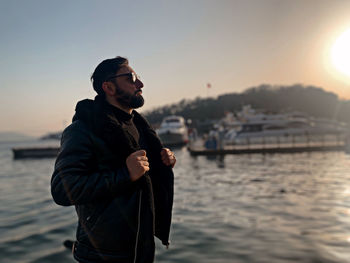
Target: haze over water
column 49, row 50
column 242, row 208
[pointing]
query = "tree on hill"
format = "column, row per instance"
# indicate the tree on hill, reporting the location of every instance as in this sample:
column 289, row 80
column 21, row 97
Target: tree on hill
column 308, row 99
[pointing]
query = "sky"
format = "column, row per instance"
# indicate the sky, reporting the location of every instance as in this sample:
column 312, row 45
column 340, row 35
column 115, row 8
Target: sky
column 49, row 49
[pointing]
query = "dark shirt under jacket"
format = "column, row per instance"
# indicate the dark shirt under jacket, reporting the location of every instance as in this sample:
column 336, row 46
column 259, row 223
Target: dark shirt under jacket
column 126, row 120
column 145, row 249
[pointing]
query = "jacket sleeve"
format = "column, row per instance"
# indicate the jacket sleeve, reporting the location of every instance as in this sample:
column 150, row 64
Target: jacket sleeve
column 75, row 181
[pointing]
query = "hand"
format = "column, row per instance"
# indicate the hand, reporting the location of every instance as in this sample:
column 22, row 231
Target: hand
column 137, row 164
column 168, row 157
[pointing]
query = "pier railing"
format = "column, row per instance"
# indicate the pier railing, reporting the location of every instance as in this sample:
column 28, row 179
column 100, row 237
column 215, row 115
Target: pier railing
column 273, row 144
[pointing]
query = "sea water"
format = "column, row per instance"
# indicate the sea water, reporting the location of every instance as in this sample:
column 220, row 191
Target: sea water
column 234, row 208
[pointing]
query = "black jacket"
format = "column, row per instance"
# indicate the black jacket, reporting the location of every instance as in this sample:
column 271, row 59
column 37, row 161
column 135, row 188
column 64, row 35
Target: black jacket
column 117, row 217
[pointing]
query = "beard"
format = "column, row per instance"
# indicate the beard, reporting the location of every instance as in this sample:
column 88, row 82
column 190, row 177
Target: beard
column 130, row 100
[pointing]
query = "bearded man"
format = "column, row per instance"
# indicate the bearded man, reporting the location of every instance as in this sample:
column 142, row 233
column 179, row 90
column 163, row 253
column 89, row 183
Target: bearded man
column 114, row 169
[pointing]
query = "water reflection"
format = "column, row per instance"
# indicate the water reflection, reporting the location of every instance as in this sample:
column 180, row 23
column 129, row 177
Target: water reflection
column 293, row 205
column 218, row 159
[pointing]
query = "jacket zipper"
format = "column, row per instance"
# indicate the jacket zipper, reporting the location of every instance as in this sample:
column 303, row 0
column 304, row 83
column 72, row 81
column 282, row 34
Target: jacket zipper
column 138, row 227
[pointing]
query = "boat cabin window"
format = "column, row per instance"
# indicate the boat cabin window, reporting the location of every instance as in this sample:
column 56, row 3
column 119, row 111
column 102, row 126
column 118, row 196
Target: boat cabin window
column 274, row 127
column 172, row 120
column 297, row 124
column 252, row 128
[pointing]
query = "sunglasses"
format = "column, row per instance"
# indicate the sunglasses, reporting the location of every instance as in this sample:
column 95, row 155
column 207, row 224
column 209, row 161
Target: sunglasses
column 132, row 75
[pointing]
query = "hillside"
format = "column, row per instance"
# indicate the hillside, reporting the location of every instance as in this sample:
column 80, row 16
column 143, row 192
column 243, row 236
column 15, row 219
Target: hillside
column 272, row 99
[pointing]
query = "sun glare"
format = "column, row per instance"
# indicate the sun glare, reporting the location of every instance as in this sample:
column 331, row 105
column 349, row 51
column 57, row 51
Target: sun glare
column 340, row 53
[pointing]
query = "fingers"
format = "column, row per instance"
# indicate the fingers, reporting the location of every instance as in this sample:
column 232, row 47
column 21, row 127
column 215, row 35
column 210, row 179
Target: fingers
column 144, row 163
column 143, row 166
column 165, row 152
column 168, row 157
column 142, row 158
column 139, row 153
column 146, row 168
column 137, row 164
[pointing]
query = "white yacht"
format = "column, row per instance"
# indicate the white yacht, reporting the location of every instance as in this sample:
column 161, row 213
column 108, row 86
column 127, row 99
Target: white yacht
column 173, row 131
column 252, row 127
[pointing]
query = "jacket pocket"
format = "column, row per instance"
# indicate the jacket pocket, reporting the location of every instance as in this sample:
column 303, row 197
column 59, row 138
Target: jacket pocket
column 88, row 216
column 113, row 225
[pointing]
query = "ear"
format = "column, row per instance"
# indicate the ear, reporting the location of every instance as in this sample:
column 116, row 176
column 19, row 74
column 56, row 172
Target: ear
column 108, row 88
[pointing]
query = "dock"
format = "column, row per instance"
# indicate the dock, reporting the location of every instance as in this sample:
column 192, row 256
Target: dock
column 197, row 148
column 37, row 152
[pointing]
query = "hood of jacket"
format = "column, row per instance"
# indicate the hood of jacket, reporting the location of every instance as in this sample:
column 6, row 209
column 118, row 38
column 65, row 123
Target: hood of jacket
column 100, row 119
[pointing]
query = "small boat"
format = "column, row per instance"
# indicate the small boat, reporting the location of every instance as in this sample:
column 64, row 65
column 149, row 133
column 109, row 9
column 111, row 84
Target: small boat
column 52, row 136
column 35, row 152
column 173, row 131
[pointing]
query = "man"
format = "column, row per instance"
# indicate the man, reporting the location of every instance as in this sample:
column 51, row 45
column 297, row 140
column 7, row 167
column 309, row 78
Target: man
column 114, row 169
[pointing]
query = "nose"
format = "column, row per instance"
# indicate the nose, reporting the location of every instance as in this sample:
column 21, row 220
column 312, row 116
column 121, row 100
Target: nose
column 139, row 84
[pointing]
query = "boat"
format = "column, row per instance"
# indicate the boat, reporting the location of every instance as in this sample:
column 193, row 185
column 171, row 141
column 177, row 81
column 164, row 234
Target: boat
column 40, row 148
column 252, row 127
column 52, row 136
column 35, row 152
column 173, row 131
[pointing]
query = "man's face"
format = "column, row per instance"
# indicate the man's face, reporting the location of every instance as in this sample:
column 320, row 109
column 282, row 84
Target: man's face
column 128, row 92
